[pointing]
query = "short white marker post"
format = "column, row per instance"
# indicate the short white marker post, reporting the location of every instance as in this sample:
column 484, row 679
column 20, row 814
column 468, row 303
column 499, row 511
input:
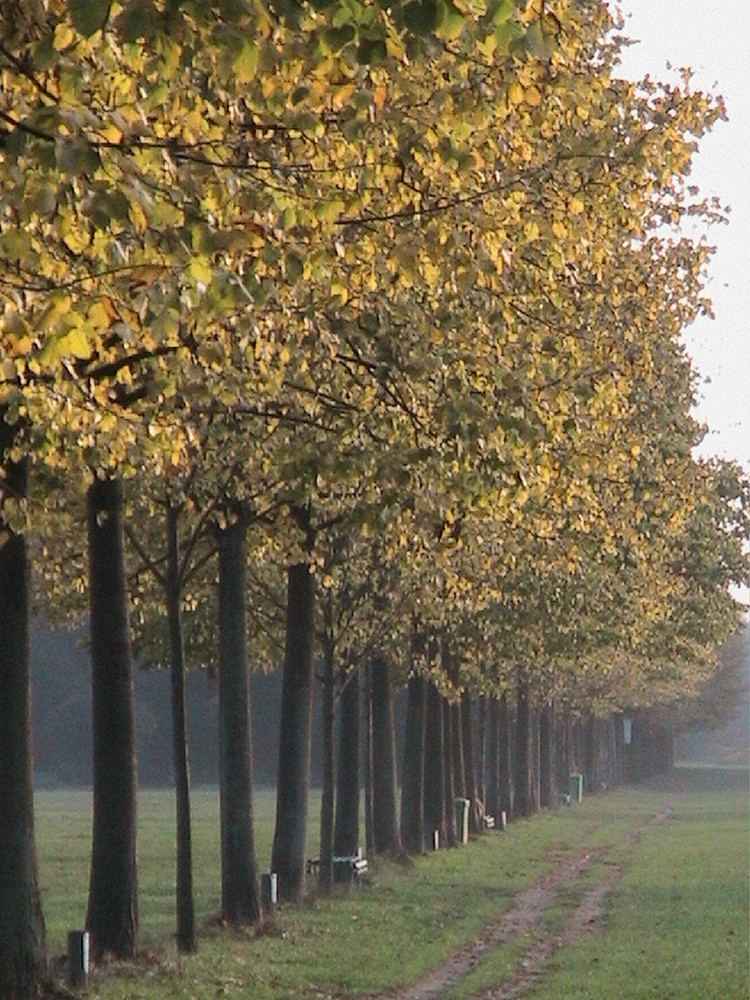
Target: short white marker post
column 78, row 958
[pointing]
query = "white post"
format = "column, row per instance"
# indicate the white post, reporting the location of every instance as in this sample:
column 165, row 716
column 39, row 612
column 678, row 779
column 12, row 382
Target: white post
column 78, row 958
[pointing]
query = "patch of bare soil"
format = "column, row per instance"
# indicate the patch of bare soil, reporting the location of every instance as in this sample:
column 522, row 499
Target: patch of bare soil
column 525, row 915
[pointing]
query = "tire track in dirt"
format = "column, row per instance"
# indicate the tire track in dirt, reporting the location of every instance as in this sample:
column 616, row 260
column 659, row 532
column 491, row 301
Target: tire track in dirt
column 525, row 915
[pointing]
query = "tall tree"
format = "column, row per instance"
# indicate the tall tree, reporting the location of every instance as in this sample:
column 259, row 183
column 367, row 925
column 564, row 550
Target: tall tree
column 240, row 899
column 293, row 784
column 346, row 829
column 187, row 939
column 23, row 957
column 386, row 831
column 434, row 782
column 413, row 769
column 112, row 915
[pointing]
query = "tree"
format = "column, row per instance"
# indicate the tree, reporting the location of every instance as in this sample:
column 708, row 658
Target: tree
column 23, row 957
column 387, row 837
column 288, row 857
column 112, row 915
column 240, row 898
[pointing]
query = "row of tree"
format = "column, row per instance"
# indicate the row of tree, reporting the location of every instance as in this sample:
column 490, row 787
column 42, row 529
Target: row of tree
column 360, row 326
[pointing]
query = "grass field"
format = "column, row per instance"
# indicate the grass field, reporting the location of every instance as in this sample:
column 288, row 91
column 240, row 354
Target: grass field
column 675, row 921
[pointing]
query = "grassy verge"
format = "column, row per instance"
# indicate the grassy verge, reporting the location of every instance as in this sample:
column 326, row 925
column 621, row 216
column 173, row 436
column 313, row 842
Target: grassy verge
column 677, row 922
column 406, row 922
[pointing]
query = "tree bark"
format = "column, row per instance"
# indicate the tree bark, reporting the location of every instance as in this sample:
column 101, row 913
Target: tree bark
column 562, row 749
column 412, row 785
column 240, row 895
column 112, row 918
column 449, row 800
column 327, row 804
column 293, row 785
column 619, row 749
column 346, row 830
column 434, row 787
column 459, row 765
column 386, row 832
column 367, row 759
column 505, row 765
column 590, row 753
column 492, row 802
column 470, row 784
column 523, row 791
column 481, row 754
column 23, row 955
column 547, row 756
column 187, row 938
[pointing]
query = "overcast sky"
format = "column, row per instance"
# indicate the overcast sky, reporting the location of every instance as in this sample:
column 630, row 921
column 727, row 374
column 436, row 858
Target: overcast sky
column 713, row 40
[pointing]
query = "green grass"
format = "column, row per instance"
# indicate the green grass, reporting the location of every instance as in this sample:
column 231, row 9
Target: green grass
column 682, row 904
column 677, row 923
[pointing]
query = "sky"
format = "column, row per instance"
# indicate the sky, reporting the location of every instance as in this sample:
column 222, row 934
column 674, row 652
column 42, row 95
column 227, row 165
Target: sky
column 712, row 39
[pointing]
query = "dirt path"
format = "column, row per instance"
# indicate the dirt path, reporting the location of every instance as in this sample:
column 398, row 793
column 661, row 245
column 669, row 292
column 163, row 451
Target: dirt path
column 526, row 914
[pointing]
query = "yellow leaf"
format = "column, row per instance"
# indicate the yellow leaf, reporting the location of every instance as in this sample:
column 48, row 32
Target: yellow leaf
column 576, row 205
column 379, row 96
column 102, row 313
column 63, row 37
column 515, row 93
column 533, row 96
column 52, row 313
column 339, row 291
column 200, row 270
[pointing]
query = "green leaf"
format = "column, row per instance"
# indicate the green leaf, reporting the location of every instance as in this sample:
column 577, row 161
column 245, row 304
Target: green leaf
column 329, row 211
column 246, row 63
column 450, row 20
column 294, row 266
column 88, row 16
column 537, row 42
column 421, row 16
column 371, row 51
column 503, row 12
column 74, row 155
column 135, row 21
column 336, row 38
column 507, row 33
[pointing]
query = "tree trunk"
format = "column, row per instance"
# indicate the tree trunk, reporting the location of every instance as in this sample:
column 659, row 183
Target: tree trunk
column 619, row 749
column 505, row 765
column 459, row 765
column 449, row 801
column 112, row 918
column 187, row 939
column 412, row 785
column 384, row 779
column 523, row 791
column 367, row 759
column 590, row 753
column 481, row 753
column 470, row 776
column 434, row 787
column 240, row 896
column 346, row 831
column 547, row 756
column 23, row 955
column 492, row 802
column 325, row 871
column 293, row 785
column 562, row 749
column 535, row 758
